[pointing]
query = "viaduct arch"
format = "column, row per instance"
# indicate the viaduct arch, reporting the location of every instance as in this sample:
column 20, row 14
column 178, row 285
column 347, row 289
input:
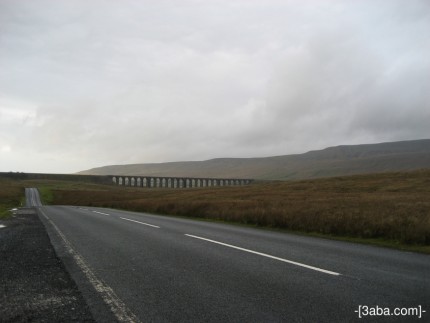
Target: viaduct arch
column 175, row 182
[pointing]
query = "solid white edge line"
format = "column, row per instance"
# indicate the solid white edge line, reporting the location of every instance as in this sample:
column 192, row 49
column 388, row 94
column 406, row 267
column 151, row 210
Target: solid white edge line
column 268, row 256
column 151, row 225
column 117, row 306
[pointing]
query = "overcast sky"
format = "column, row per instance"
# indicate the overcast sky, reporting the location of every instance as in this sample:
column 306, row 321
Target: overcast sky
column 93, row 83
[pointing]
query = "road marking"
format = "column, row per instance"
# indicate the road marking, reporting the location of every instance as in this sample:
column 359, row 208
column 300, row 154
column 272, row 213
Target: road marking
column 100, row 213
column 2, row 226
column 117, row 306
column 268, row 256
column 151, row 225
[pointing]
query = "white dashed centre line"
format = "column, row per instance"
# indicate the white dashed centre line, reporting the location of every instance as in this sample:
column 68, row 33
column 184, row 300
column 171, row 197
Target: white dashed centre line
column 150, row 225
column 268, row 256
column 100, row 213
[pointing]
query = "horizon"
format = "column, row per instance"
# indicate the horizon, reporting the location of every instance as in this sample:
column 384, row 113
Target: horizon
column 205, row 160
column 255, row 157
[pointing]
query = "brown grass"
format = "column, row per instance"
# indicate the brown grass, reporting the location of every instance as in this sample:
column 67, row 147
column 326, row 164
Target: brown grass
column 392, row 206
column 11, row 195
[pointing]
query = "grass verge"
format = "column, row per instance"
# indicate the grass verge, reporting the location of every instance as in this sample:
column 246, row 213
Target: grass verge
column 46, row 195
column 11, row 196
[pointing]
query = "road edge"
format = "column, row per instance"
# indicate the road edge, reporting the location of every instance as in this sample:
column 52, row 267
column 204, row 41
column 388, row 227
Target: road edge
column 100, row 311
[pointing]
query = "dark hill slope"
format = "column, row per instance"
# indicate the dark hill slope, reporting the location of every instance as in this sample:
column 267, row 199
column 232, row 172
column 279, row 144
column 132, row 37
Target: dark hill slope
column 332, row 161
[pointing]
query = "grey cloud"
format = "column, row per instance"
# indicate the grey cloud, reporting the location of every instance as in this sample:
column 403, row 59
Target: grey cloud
column 106, row 82
column 339, row 87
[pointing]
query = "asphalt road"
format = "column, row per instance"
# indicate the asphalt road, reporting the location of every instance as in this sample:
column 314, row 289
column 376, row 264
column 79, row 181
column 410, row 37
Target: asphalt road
column 32, row 197
column 141, row 267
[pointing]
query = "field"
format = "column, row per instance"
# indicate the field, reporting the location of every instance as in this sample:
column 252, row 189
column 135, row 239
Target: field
column 390, row 209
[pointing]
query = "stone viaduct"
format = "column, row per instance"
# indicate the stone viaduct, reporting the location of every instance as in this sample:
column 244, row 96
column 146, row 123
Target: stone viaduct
column 175, row 182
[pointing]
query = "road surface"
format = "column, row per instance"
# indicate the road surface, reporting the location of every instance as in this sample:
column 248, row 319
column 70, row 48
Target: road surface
column 141, row 267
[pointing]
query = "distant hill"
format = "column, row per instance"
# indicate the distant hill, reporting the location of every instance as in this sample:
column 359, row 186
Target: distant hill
column 332, row 161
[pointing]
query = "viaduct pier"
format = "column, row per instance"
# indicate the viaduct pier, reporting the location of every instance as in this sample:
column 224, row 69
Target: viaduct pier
column 175, row 182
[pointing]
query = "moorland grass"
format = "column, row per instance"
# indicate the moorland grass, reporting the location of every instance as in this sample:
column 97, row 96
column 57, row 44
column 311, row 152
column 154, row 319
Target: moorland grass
column 390, row 209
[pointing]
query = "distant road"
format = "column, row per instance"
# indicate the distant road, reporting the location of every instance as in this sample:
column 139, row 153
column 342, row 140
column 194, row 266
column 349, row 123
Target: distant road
column 164, row 269
column 32, row 197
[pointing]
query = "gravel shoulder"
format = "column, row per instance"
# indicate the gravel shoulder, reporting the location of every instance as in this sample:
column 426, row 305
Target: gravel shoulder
column 34, row 284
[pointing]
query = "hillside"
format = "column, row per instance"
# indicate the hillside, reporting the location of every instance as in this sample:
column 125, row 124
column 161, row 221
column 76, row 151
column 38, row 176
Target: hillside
column 332, row 161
